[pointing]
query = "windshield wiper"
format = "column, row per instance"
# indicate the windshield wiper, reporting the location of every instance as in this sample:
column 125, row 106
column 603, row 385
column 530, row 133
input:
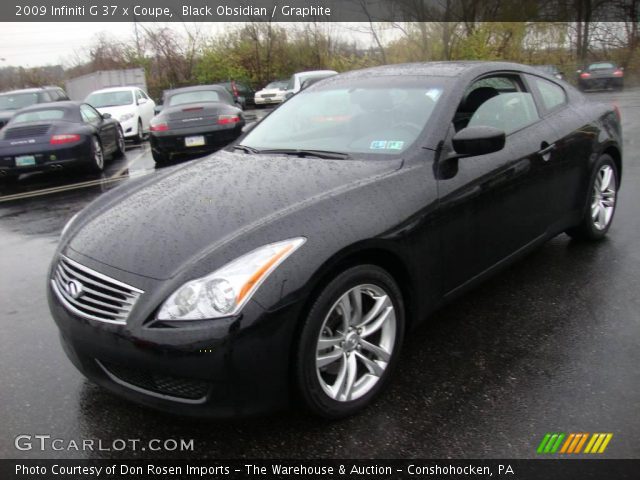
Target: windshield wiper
column 308, row 153
column 246, row 149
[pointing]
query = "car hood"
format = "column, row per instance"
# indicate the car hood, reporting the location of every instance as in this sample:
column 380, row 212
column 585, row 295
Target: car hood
column 117, row 112
column 163, row 225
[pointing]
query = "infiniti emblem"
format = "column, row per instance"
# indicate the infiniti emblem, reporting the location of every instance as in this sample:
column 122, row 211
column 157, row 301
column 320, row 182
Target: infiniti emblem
column 74, row 288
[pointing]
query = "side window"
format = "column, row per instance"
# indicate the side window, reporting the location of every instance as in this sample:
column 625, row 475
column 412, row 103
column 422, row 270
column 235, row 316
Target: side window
column 89, row 115
column 482, row 91
column 552, row 95
column 61, row 95
column 139, row 95
column 508, row 112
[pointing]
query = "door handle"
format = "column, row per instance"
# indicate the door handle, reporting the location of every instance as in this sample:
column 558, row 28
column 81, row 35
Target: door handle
column 545, row 153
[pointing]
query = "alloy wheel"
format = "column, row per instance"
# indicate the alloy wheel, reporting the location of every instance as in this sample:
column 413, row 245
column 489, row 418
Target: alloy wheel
column 121, row 144
column 604, row 197
column 98, row 157
column 356, row 342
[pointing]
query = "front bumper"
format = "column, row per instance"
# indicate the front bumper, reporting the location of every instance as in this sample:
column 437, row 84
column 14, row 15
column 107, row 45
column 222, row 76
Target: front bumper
column 130, row 127
column 269, row 100
column 216, row 368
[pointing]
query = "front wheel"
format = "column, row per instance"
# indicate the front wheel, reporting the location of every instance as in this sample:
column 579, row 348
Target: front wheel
column 350, row 342
column 603, row 195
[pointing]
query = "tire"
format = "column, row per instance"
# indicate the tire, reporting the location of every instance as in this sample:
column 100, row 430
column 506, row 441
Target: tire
column 367, row 358
column 96, row 164
column 120, row 145
column 601, row 201
column 139, row 138
column 160, row 158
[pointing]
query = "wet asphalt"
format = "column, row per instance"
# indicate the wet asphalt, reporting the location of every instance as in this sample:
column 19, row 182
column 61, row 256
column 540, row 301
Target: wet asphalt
column 550, row 345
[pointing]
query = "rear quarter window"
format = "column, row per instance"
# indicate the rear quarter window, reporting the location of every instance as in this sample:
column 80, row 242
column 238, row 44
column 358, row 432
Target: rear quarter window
column 552, row 95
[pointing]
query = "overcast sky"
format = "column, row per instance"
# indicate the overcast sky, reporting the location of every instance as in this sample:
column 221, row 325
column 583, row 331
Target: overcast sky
column 36, row 44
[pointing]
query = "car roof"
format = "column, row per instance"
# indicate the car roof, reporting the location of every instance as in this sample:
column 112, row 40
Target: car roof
column 442, row 69
column 115, row 89
column 29, row 90
column 195, row 88
column 64, row 105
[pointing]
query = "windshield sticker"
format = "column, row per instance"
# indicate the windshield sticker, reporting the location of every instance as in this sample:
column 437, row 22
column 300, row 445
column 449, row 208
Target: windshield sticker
column 378, row 145
column 386, row 145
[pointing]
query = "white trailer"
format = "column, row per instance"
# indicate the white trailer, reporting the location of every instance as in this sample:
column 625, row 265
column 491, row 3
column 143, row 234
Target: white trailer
column 78, row 88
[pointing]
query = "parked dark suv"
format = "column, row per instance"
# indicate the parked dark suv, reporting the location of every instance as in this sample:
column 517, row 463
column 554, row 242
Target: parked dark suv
column 14, row 100
column 242, row 93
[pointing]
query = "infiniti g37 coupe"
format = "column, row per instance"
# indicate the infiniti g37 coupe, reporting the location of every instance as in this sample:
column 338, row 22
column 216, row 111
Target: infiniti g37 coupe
column 290, row 265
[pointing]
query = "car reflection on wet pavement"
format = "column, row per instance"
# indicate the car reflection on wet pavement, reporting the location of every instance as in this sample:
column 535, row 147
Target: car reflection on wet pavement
column 551, row 344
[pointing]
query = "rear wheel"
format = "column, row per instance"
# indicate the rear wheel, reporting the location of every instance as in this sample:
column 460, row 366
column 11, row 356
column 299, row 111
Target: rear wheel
column 96, row 164
column 603, row 195
column 350, row 342
column 160, row 158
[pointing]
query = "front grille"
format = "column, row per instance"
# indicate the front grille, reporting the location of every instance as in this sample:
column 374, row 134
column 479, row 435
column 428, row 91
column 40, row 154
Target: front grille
column 268, row 95
column 158, row 384
column 24, row 132
column 92, row 295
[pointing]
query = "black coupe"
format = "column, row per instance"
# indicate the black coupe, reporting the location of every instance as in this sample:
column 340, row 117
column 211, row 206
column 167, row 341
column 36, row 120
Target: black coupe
column 194, row 120
column 601, row 75
column 50, row 136
column 292, row 264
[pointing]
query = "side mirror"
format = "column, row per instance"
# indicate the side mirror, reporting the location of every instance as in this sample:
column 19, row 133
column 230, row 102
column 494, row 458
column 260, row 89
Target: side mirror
column 480, row 140
column 106, row 116
column 142, row 101
column 157, row 109
column 288, row 95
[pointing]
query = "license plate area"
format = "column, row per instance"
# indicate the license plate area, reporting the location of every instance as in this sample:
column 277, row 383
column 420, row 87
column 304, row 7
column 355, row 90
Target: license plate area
column 25, row 161
column 195, row 141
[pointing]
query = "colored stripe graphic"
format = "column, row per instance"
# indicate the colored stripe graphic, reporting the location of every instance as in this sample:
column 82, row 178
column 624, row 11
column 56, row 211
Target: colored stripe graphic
column 598, row 443
column 572, row 443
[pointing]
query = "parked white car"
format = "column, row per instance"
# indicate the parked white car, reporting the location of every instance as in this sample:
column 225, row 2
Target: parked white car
column 273, row 93
column 297, row 79
column 131, row 106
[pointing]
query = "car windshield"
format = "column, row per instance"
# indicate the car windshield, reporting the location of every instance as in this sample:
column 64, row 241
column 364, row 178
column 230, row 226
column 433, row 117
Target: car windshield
column 197, row 96
column 110, row 99
column 39, row 115
column 382, row 115
column 601, row 66
column 281, row 85
column 15, row 101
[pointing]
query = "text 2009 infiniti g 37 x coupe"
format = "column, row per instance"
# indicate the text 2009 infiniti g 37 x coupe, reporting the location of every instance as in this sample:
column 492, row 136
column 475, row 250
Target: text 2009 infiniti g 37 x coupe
column 292, row 264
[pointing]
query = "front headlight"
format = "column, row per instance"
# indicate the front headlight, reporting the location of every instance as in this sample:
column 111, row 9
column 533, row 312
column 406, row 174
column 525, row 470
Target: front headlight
column 126, row 116
column 225, row 291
